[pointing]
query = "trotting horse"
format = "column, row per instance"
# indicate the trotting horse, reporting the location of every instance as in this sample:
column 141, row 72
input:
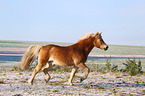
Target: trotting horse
column 74, row 55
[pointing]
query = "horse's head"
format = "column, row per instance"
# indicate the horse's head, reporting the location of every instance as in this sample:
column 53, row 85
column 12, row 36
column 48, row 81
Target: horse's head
column 99, row 42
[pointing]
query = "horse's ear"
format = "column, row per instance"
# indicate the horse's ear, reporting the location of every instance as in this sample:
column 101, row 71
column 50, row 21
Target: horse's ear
column 100, row 33
column 97, row 33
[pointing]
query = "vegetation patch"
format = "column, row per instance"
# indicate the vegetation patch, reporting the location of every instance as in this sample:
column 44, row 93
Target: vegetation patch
column 55, row 91
column 16, row 68
column 132, row 67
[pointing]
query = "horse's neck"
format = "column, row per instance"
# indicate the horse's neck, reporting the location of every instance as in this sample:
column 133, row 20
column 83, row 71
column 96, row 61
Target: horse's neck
column 86, row 45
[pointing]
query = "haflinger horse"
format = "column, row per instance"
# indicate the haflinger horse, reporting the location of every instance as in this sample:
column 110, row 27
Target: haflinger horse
column 74, row 55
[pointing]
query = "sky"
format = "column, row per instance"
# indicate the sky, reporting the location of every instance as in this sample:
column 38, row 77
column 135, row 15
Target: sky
column 122, row 22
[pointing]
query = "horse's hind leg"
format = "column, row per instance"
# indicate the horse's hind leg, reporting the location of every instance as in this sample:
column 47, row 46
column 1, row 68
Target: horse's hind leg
column 41, row 62
column 86, row 69
column 47, row 74
column 45, row 70
column 36, row 70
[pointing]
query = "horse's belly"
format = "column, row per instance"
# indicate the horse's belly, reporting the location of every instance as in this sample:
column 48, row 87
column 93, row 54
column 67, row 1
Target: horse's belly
column 62, row 62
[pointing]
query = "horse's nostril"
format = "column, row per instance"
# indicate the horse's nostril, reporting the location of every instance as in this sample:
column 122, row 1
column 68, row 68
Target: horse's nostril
column 106, row 48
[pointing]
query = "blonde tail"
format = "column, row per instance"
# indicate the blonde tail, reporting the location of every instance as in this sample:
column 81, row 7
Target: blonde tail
column 30, row 55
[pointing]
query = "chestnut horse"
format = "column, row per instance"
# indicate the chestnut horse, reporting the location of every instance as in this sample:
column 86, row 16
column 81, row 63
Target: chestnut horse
column 74, row 55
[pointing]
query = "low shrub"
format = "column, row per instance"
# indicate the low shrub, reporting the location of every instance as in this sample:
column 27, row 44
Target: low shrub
column 132, row 67
column 109, row 67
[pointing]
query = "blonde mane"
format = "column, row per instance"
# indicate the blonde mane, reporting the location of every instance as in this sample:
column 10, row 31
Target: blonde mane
column 86, row 36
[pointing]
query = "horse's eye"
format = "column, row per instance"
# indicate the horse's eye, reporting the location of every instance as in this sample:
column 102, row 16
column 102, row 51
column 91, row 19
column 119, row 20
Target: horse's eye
column 101, row 41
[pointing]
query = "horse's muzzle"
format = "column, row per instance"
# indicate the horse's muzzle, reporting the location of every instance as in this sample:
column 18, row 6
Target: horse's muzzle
column 106, row 47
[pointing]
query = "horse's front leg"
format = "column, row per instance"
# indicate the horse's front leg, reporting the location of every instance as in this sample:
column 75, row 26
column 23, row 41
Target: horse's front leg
column 72, row 75
column 86, row 69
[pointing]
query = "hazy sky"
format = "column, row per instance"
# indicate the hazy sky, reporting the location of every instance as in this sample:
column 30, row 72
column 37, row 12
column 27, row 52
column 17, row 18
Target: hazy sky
column 121, row 22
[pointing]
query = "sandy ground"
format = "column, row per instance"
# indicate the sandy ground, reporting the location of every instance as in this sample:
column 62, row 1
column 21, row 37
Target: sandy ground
column 97, row 84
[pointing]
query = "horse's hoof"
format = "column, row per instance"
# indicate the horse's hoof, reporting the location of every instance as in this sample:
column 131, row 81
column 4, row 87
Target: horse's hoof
column 30, row 82
column 46, row 80
column 82, row 79
column 71, row 84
